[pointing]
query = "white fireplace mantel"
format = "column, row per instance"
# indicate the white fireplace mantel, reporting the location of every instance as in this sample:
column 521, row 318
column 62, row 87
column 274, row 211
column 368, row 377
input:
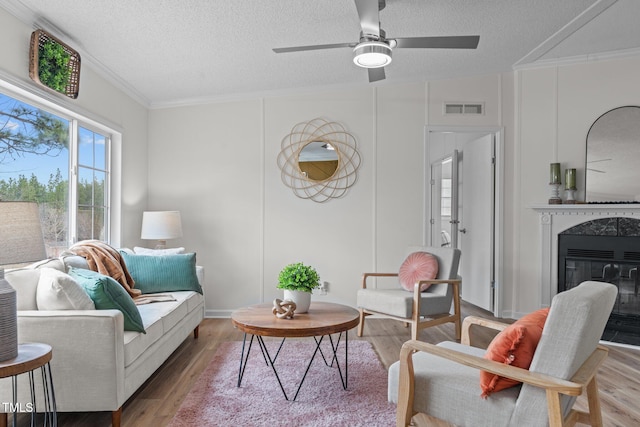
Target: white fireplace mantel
column 555, row 219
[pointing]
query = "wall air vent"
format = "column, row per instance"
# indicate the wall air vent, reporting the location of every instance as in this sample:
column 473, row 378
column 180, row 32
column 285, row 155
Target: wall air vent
column 464, row 108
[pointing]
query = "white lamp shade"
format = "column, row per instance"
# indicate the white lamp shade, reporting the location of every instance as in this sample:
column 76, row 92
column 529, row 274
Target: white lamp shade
column 21, row 237
column 161, row 225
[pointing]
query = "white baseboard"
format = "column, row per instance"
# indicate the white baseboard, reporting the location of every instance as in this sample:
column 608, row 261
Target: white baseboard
column 223, row 314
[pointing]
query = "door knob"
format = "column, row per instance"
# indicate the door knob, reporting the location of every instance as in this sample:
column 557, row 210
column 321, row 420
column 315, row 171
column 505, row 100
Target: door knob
column 463, row 230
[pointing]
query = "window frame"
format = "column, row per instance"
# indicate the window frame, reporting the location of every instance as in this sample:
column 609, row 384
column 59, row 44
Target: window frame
column 78, row 117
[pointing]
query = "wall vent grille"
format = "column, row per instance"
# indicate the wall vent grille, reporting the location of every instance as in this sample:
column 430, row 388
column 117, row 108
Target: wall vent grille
column 464, row 108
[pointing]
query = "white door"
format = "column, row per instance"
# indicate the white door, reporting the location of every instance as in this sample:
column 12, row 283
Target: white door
column 476, row 214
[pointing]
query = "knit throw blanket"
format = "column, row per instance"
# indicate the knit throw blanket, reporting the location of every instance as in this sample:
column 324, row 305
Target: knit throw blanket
column 106, row 260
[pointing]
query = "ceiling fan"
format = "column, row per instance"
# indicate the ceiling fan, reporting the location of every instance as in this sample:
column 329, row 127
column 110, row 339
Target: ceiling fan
column 373, row 51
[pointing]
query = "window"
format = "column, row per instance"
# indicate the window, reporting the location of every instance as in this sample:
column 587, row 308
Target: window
column 93, row 208
column 61, row 163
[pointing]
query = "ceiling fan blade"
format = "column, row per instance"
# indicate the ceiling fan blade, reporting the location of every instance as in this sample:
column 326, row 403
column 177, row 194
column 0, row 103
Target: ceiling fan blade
column 312, row 47
column 445, row 42
column 376, row 74
column 369, row 16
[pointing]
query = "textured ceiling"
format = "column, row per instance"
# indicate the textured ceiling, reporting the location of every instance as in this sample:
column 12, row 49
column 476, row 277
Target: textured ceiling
column 180, row 52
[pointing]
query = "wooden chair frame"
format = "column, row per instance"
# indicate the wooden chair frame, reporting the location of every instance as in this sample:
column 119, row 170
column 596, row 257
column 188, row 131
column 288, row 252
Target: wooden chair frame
column 416, row 321
column 583, row 379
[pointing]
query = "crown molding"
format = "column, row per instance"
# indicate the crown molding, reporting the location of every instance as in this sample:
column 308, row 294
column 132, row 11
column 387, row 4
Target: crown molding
column 580, row 59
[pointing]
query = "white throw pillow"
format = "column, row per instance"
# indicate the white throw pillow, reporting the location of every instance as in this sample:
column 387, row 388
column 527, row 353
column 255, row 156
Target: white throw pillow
column 146, row 251
column 59, row 291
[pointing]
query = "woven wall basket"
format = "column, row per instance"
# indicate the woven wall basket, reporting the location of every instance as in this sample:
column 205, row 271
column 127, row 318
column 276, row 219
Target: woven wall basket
column 8, row 320
column 38, row 39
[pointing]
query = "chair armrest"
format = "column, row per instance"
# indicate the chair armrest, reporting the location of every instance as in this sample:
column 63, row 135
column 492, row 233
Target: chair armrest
column 365, row 275
column 451, row 282
column 573, row 388
column 474, row 320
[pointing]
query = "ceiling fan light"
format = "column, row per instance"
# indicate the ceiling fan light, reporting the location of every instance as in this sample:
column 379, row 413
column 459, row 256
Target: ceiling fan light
column 372, row 55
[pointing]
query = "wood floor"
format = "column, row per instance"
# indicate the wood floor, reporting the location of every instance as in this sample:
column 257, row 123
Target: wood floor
column 159, row 398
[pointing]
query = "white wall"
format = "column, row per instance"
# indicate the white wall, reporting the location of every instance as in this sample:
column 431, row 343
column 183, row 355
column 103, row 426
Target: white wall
column 217, row 164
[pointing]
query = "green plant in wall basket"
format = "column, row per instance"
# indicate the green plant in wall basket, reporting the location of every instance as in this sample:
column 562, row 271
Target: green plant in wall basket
column 298, row 277
column 53, row 66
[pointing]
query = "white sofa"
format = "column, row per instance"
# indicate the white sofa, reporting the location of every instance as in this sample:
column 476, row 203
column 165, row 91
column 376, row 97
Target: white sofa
column 96, row 364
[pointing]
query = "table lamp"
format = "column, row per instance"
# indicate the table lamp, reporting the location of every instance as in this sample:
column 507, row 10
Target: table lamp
column 21, row 239
column 161, row 226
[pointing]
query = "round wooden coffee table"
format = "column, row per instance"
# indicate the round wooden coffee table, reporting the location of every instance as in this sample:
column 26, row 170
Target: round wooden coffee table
column 322, row 319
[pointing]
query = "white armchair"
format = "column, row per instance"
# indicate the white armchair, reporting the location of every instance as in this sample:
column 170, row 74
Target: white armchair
column 443, row 380
column 420, row 309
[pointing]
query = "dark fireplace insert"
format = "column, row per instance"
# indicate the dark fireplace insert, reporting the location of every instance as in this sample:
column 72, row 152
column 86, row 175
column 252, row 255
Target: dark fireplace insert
column 606, row 250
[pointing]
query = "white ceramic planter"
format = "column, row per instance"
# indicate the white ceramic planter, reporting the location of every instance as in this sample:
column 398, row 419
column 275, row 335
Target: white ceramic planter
column 301, row 298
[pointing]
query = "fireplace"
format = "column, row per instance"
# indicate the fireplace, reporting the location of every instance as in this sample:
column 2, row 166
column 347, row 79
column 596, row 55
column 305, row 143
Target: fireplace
column 607, row 250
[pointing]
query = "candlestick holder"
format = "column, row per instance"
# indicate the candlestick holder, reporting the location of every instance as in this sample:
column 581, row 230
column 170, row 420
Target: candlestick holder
column 570, row 196
column 570, row 186
column 555, row 194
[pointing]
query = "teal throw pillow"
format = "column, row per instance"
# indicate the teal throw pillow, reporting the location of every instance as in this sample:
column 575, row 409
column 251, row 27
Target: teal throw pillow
column 106, row 294
column 163, row 273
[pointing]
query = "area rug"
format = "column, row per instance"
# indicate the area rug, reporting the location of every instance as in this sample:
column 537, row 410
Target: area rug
column 215, row 399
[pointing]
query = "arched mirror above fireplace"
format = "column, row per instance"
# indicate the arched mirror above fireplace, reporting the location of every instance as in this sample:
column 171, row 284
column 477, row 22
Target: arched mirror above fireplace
column 613, row 157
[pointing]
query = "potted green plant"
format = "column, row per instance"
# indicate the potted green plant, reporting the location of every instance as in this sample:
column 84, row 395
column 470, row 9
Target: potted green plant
column 298, row 282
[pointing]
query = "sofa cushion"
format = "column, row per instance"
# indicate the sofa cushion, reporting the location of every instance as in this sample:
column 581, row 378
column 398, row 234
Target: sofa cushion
column 164, row 273
column 168, row 251
column 136, row 343
column 59, row 291
column 438, row 379
column 106, row 293
column 73, row 260
column 399, row 302
column 25, row 282
column 159, row 318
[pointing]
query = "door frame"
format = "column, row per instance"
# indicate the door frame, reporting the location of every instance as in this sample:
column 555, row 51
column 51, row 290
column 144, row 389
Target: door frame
column 498, row 208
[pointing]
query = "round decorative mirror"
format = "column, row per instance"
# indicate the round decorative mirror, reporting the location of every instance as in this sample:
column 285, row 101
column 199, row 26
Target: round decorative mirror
column 613, row 157
column 318, row 160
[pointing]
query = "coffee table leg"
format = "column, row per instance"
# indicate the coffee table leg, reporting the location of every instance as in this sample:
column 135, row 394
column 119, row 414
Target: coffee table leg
column 309, row 365
column 271, row 361
column 243, row 359
column 344, row 379
column 264, row 348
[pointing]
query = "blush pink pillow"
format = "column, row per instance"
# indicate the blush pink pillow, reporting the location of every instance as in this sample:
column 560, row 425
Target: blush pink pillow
column 418, row 266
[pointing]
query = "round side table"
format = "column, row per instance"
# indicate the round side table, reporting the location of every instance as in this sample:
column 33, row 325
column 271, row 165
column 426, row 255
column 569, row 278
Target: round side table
column 31, row 356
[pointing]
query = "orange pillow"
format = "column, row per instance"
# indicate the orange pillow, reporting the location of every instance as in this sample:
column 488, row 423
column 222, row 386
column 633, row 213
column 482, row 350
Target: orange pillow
column 513, row 346
column 418, row 266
